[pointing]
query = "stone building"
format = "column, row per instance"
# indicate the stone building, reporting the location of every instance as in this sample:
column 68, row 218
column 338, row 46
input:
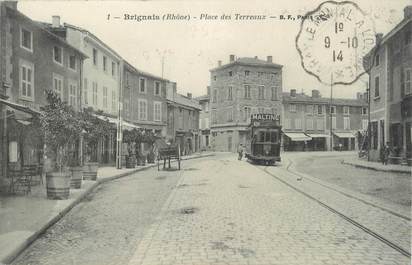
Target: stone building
column 204, row 122
column 31, row 57
column 101, row 80
column 238, row 89
column 183, row 120
column 307, row 122
column 390, row 64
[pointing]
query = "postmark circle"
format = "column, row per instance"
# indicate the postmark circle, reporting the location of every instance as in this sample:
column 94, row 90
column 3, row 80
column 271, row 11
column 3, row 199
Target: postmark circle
column 332, row 41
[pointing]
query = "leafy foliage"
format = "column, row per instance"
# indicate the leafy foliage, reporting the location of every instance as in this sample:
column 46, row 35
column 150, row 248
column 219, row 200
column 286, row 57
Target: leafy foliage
column 60, row 125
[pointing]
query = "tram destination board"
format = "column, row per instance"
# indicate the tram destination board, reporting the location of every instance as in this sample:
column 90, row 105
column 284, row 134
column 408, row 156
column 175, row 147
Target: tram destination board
column 258, row 120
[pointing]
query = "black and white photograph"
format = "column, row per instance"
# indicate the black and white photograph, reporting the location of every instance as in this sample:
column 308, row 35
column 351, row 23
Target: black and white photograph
column 205, row 132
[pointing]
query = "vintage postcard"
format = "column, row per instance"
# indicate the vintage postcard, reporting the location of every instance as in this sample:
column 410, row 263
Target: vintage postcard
column 205, row 132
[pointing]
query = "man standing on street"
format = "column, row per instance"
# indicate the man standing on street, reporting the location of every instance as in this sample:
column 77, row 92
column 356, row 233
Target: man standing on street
column 240, row 151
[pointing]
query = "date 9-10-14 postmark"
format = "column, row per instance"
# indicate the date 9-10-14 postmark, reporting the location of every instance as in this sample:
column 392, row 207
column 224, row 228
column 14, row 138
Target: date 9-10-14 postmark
column 332, row 41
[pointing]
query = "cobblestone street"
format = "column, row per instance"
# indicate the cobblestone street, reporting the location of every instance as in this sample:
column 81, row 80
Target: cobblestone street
column 216, row 210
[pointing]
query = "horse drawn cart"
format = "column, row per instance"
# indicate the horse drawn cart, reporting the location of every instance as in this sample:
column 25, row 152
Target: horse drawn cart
column 167, row 152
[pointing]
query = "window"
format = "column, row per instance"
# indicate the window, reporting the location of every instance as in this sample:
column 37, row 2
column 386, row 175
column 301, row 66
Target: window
column 333, row 109
column 214, row 116
column 126, row 107
column 309, row 124
column 157, row 111
column 247, row 91
column 72, row 94
column 377, row 60
column 229, row 114
column 292, row 108
column 27, row 80
column 94, row 94
column 104, row 97
column 229, row 93
column 260, row 74
column 346, row 110
column 364, row 124
column 287, row 124
column 85, row 91
column 377, row 87
column 95, row 57
column 346, row 123
column 320, row 109
column 26, row 39
column 214, row 96
column 114, row 101
column 364, row 111
column 309, row 109
column 408, row 37
column 247, row 111
column 319, row 124
column 58, row 85
column 261, row 92
column 407, row 83
column 105, row 63
column 274, row 93
column 247, row 72
column 230, row 73
column 207, row 106
column 333, row 122
column 272, row 76
column 206, row 123
column 142, row 109
column 261, row 110
column 72, row 62
column 157, row 88
column 113, row 69
column 374, row 135
column 142, row 85
column 58, row 54
column 298, row 124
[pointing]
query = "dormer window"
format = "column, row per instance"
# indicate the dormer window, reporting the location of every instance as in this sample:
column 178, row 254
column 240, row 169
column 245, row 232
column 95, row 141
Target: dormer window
column 26, row 39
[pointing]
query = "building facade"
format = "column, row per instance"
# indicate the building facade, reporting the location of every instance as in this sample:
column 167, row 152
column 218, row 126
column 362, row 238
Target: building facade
column 33, row 59
column 390, row 64
column 242, row 87
column 204, row 122
column 183, row 120
column 101, row 81
column 307, row 122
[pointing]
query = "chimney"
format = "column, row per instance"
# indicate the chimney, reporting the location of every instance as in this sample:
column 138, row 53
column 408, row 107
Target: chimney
column 269, row 59
column 256, row 57
column 189, row 95
column 315, row 93
column 359, row 95
column 219, row 63
column 407, row 12
column 55, row 21
column 208, row 91
column 293, row 93
column 232, row 58
column 378, row 37
column 11, row 4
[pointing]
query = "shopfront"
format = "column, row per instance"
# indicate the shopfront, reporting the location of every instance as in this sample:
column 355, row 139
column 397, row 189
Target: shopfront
column 295, row 141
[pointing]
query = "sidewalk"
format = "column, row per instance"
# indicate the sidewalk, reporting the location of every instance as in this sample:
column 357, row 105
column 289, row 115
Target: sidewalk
column 357, row 162
column 24, row 218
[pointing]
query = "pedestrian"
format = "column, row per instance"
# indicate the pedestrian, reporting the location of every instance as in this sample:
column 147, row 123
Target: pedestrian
column 386, row 153
column 240, row 152
column 340, row 146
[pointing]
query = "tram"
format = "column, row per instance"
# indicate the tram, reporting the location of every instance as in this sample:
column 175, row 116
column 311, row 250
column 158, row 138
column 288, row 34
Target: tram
column 263, row 139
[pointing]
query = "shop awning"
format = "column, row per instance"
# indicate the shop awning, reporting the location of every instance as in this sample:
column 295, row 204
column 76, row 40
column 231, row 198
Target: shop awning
column 295, row 136
column 318, row 135
column 344, row 134
column 19, row 107
column 126, row 125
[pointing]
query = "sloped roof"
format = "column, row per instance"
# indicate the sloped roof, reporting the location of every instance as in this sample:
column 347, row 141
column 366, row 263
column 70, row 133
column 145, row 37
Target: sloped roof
column 201, row 98
column 251, row 61
column 185, row 101
column 143, row 72
column 302, row 98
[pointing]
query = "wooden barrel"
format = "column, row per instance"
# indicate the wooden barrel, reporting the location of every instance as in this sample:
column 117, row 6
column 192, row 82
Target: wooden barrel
column 77, row 175
column 58, row 185
column 90, row 171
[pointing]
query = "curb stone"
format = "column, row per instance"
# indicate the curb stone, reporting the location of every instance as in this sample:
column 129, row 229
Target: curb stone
column 376, row 169
column 8, row 258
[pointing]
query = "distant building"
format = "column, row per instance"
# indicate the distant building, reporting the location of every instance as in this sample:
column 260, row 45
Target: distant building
column 238, row 89
column 31, row 57
column 391, row 90
column 183, row 120
column 307, row 121
column 204, row 121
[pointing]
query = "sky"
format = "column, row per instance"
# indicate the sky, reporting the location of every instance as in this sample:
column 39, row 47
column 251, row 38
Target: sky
column 191, row 48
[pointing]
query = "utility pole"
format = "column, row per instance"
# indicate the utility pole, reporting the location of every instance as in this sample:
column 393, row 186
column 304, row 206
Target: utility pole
column 330, row 112
column 369, row 117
